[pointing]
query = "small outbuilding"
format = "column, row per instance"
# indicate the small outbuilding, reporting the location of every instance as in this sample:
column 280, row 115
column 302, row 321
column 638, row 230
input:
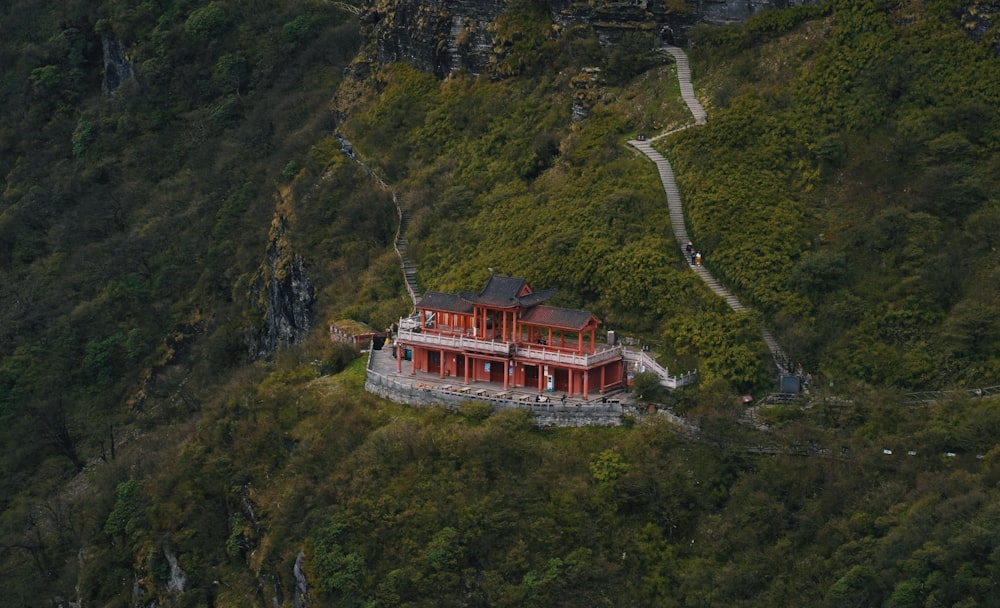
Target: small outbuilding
column 355, row 332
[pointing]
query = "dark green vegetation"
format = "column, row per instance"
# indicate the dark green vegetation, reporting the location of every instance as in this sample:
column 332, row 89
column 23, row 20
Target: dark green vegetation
column 845, row 185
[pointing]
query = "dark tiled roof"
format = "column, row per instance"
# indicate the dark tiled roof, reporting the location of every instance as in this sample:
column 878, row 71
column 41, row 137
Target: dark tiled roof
column 508, row 292
column 433, row 300
column 501, row 291
column 562, row 318
column 537, row 297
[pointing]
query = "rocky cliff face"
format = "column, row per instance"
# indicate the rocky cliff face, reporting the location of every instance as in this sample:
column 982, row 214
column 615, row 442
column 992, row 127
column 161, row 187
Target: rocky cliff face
column 282, row 289
column 437, row 36
column 727, row 12
column 117, row 67
column 440, row 36
column 289, row 296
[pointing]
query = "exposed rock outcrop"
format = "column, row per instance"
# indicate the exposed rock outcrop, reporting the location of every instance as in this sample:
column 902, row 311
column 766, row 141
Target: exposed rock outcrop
column 301, row 599
column 979, row 19
column 440, row 36
column 282, row 289
column 177, row 583
column 117, row 67
column 728, row 12
column 437, row 36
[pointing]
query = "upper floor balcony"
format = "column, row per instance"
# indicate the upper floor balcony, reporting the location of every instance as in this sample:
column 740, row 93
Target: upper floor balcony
column 549, row 354
column 455, row 341
column 529, row 352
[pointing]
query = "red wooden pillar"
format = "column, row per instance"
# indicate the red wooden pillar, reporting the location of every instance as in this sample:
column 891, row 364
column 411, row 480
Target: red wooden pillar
column 400, row 349
column 469, row 362
column 586, row 378
column 444, row 364
column 579, row 342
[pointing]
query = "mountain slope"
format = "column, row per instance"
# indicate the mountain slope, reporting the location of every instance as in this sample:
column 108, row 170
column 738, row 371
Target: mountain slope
column 848, row 187
column 155, row 454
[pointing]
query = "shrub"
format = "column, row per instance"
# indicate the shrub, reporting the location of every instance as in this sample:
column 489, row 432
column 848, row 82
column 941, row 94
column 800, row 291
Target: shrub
column 207, row 23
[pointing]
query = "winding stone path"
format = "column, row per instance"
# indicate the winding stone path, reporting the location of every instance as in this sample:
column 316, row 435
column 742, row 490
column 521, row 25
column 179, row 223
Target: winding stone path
column 669, row 187
column 687, row 89
column 399, row 244
column 675, row 206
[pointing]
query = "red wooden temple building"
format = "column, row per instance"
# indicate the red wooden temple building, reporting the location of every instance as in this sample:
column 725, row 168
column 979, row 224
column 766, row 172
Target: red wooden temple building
column 504, row 334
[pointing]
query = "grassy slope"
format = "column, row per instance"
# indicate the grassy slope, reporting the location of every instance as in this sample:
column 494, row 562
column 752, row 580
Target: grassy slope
column 847, row 186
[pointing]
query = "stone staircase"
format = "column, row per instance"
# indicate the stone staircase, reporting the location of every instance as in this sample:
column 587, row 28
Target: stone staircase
column 675, row 206
column 717, row 287
column 781, row 360
column 684, row 80
column 409, row 269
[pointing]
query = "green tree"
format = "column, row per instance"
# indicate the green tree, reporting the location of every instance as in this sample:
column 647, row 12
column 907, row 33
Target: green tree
column 337, row 570
column 124, row 517
column 205, row 24
column 647, row 387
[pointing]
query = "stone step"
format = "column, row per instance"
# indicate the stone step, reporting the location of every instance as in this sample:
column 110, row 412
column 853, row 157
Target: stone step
column 665, row 171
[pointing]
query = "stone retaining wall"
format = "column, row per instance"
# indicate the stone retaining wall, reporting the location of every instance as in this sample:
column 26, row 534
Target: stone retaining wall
column 598, row 414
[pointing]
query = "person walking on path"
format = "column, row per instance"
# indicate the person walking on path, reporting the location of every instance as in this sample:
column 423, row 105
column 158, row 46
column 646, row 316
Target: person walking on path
column 697, row 259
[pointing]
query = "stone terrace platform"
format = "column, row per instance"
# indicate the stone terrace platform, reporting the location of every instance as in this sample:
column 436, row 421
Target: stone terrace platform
column 427, row 389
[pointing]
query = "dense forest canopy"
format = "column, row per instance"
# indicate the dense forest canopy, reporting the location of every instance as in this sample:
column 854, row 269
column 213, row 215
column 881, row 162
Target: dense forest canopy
column 155, row 454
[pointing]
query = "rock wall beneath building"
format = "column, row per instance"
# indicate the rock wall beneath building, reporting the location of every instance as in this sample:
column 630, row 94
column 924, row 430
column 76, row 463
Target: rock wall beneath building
column 543, row 415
